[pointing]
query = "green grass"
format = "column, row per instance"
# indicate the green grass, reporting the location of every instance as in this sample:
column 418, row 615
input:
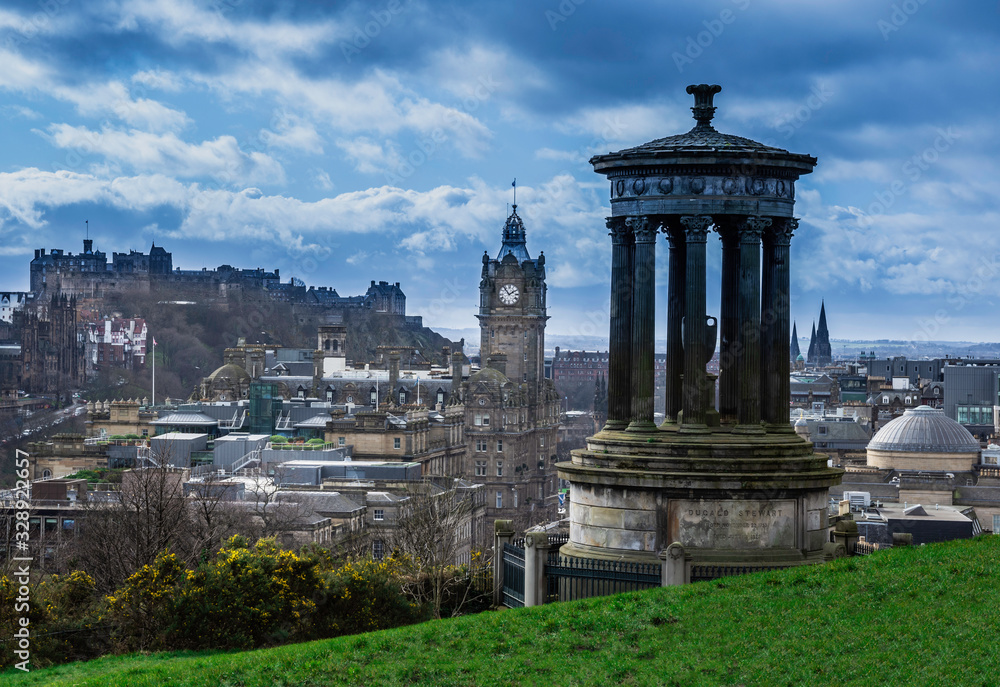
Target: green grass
column 921, row 616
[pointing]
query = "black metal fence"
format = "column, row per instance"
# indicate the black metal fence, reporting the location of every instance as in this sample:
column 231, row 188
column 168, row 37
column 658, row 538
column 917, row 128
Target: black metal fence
column 568, row 579
column 513, row 575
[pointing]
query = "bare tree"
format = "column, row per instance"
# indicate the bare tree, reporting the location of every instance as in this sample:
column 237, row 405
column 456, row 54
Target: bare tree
column 125, row 529
column 430, row 537
column 275, row 511
column 215, row 516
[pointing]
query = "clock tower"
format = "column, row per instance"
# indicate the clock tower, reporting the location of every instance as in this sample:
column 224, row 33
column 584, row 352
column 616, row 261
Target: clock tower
column 512, row 411
column 512, row 311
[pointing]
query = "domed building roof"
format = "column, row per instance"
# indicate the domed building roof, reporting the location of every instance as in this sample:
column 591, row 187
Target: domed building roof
column 924, row 430
column 923, row 438
column 488, row 374
column 231, row 371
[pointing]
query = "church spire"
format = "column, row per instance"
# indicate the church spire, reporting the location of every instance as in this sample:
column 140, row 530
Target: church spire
column 824, row 352
column 793, row 348
column 811, row 355
column 514, row 239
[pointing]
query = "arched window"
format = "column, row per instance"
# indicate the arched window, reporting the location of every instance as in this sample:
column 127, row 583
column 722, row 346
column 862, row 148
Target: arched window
column 326, row 345
column 46, row 474
column 329, row 395
column 336, row 346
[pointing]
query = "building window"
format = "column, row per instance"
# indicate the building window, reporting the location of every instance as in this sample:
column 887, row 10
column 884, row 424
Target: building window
column 481, row 445
column 541, row 440
column 341, row 441
column 440, row 397
column 486, row 419
column 350, row 399
column 821, row 429
column 402, row 397
column 515, row 498
column 379, row 514
column 499, row 445
column 480, row 468
column 499, row 499
column 499, row 468
column 885, row 400
column 329, row 395
column 378, row 549
column 396, row 442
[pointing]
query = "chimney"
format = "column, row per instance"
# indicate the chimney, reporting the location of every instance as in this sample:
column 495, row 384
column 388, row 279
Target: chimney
column 393, row 368
column 498, row 361
column 456, row 368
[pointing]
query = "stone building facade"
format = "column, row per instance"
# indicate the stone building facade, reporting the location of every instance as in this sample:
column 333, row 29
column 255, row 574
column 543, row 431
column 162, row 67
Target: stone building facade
column 511, row 409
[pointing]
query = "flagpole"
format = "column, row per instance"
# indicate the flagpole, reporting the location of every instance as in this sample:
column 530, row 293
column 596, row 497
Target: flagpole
column 154, row 371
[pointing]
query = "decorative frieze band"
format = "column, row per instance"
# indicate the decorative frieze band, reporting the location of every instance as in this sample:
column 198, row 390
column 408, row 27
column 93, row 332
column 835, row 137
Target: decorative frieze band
column 739, row 185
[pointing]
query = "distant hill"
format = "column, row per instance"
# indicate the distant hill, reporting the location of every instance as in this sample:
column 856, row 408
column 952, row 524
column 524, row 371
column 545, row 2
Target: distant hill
column 915, row 616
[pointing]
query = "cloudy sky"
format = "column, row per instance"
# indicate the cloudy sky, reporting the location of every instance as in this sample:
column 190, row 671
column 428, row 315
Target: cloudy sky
column 344, row 142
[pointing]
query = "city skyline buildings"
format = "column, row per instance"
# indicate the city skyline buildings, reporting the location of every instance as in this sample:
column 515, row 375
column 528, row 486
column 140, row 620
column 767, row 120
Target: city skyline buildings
column 379, row 142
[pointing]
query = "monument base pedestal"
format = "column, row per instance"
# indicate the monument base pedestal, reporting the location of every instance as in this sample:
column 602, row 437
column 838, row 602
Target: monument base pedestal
column 729, row 499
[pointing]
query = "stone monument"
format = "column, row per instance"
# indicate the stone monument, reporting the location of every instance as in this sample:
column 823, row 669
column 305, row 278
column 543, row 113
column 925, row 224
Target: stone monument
column 734, row 485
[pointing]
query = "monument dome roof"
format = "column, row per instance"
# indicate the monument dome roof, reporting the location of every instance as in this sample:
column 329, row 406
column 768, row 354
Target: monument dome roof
column 924, row 430
column 705, row 142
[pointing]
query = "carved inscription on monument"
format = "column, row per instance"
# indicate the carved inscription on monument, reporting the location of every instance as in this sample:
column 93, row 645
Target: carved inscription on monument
column 733, row 524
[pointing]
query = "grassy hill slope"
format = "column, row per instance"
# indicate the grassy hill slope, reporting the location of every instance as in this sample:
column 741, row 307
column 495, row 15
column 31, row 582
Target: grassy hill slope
column 926, row 616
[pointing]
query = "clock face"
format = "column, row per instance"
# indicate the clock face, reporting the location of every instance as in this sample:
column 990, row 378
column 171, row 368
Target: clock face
column 509, row 294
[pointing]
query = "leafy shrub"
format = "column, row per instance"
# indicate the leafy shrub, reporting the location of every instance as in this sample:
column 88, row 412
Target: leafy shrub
column 365, row 595
column 247, row 597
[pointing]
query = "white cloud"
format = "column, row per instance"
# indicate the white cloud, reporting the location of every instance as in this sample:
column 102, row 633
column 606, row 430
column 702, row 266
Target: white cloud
column 631, row 124
column 181, row 22
column 167, row 154
column 159, row 79
column 292, row 132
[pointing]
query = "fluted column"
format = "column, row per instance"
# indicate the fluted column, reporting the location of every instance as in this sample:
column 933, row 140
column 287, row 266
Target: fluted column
column 643, row 324
column 748, row 414
column 675, row 318
column 696, row 229
column 620, row 337
column 729, row 327
column 775, row 300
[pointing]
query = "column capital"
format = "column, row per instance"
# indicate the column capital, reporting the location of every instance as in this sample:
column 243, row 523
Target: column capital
column 696, row 227
column 619, row 230
column 752, row 228
column 644, row 230
column 782, row 230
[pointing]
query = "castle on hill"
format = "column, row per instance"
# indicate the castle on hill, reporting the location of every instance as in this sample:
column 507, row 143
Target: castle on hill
column 90, row 275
